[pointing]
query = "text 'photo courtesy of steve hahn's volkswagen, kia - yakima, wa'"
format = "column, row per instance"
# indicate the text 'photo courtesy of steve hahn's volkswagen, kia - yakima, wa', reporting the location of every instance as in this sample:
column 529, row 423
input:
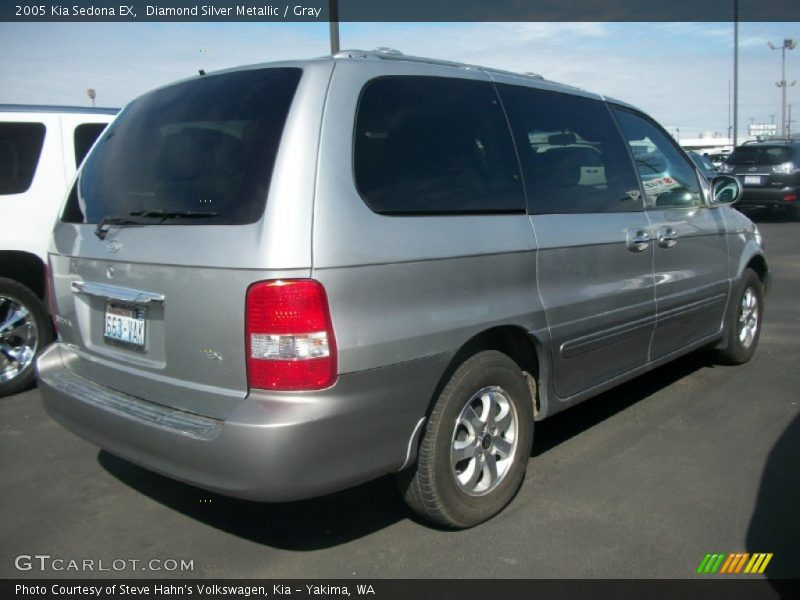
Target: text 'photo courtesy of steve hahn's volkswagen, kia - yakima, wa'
column 282, row 280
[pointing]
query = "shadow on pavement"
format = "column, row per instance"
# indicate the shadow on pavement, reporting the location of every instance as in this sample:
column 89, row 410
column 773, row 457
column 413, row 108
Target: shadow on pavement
column 775, row 524
column 304, row 525
column 350, row 514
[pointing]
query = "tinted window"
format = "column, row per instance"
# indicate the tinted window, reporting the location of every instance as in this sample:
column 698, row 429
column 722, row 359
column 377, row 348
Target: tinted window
column 208, row 144
column 84, row 137
column 434, row 145
column 20, row 147
column 668, row 178
column 760, row 155
column 573, row 158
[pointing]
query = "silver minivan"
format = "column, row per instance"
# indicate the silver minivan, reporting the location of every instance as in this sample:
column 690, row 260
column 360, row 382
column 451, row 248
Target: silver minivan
column 282, row 280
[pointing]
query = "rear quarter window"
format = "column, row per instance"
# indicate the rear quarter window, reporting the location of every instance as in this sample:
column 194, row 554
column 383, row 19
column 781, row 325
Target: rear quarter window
column 430, row 145
column 20, row 149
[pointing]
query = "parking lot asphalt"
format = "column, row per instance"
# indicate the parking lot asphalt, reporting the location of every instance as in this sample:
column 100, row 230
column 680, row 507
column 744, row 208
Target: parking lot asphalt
column 641, row 481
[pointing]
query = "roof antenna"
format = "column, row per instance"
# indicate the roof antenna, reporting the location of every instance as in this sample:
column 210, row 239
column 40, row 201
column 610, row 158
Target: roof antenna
column 201, row 72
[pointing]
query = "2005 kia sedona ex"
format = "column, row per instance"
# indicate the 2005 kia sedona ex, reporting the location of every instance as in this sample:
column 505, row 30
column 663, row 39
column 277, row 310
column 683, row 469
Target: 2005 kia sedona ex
column 281, row 280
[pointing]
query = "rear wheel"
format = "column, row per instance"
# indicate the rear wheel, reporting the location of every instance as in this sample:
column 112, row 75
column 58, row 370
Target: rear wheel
column 24, row 332
column 744, row 320
column 476, row 444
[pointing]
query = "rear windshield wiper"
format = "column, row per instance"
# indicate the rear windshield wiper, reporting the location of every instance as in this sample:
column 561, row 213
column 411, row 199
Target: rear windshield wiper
column 140, row 217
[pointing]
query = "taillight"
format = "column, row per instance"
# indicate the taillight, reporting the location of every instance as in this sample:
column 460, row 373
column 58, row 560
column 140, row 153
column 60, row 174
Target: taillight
column 790, row 198
column 290, row 343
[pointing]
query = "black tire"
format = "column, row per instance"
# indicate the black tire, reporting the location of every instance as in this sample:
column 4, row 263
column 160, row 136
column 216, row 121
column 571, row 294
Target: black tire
column 739, row 348
column 13, row 292
column 430, row 487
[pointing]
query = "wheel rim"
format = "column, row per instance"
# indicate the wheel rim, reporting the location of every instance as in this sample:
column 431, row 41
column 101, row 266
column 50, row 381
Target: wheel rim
column 484, row 441
column 18, row 338
column 748, row 318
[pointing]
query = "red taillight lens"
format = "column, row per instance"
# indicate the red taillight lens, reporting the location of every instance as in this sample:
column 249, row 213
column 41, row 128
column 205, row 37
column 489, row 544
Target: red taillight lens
column 790, row 198
column 290, row 343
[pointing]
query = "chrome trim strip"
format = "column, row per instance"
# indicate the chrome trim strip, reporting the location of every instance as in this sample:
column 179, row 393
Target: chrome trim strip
column 113, row 292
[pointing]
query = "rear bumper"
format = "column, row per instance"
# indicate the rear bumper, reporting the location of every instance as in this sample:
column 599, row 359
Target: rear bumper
column 768, row 197
column 273, row 447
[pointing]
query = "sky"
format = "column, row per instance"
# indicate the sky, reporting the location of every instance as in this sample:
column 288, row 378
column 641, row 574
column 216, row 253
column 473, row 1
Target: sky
column 677, row 72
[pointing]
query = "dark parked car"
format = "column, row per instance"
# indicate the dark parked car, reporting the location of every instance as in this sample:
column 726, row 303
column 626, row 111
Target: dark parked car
column 768, row 172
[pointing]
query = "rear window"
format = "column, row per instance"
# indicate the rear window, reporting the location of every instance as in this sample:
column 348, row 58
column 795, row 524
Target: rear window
column 760, row 155
column 20, row 148
column 204, row 145
column 84, row 137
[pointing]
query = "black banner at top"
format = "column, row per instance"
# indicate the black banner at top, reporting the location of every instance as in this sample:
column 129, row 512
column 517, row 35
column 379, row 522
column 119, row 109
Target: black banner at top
column 399, row 10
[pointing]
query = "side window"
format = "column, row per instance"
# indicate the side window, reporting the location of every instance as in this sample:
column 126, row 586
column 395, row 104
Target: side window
column 85, row 135
column 20, row 148
column 573, row 158
column 669, row 179
column 429, row 145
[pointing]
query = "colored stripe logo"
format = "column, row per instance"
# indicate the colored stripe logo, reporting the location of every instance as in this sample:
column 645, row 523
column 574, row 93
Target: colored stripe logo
column 734, row 563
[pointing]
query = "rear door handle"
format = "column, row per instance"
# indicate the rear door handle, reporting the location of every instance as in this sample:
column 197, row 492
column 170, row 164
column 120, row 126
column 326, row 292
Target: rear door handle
column 667, row 237
column 638, row 240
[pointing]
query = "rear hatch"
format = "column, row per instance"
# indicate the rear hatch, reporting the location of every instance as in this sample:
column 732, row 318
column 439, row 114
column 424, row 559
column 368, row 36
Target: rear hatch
column 762, row 165
column 159, row 240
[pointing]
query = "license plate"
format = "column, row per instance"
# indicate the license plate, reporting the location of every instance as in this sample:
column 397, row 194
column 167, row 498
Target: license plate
column 752, row 180
column 125, row 325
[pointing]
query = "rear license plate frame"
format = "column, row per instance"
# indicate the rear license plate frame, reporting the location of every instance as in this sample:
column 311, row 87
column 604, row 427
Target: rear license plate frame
column 132, row 324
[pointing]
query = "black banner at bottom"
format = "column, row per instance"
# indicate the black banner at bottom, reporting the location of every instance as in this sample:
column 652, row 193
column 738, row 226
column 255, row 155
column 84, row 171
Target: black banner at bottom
column 401, row 589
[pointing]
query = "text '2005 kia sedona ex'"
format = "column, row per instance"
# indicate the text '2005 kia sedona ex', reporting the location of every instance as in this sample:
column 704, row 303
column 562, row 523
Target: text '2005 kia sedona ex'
column 282, row 280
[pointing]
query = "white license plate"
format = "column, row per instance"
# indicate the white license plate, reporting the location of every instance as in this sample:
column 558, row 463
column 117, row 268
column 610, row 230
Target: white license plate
column 125, row 325
column 752, row 180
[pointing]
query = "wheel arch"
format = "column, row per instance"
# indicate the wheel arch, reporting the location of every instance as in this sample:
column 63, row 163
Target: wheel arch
column 26, row 268
column 515, row 342
column 758, row 263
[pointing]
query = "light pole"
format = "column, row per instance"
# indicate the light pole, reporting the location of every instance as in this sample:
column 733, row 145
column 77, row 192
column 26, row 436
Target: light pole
column 735, row 74
column 333, row 9
column 788, row 43
column 92, row 94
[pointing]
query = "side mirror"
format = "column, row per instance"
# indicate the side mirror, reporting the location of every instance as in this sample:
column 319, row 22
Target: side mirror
column 725, row 189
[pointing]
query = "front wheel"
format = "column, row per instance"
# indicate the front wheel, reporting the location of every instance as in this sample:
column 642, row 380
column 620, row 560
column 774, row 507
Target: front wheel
column 24, row 332
column 476, row 444
column 743, row 328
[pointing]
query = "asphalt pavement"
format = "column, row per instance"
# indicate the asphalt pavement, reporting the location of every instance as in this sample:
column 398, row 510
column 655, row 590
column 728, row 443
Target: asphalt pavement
column 640, row 482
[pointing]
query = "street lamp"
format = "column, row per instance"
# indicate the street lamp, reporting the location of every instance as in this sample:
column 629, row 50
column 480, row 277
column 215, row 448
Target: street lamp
column 790, row 44
column 92, row 95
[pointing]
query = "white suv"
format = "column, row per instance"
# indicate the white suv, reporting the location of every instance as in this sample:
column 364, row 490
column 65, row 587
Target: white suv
column 40, row 149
